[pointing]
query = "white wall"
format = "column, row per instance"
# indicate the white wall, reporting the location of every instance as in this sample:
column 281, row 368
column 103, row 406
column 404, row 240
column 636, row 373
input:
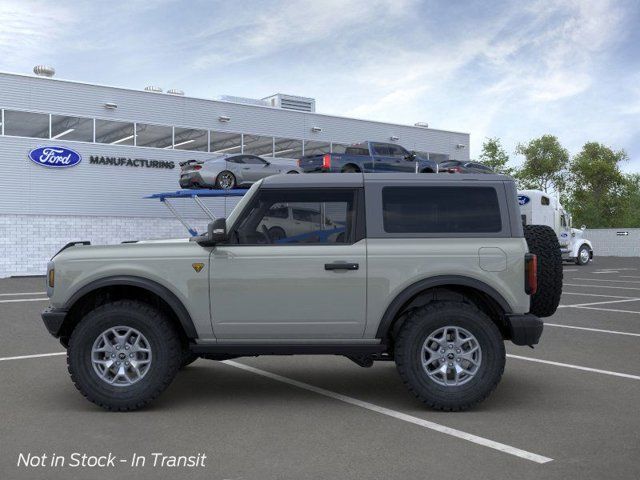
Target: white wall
column 606, row 242
column 27, row 242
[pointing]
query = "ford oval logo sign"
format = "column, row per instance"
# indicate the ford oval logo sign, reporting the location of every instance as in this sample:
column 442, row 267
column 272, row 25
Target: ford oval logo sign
column 523, row 200
column 56, row 157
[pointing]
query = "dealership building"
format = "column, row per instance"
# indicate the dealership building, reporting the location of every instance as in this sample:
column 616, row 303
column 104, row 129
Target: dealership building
column 128, row 144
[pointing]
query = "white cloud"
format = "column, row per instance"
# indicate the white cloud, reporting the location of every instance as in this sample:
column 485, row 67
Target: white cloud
column 30, row 28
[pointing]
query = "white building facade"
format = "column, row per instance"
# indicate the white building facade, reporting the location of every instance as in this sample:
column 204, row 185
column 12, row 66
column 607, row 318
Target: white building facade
column 130, row 143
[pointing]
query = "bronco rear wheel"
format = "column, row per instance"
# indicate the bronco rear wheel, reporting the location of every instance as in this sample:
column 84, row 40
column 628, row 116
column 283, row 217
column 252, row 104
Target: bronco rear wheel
column 543, row 242
column 450, row 355
column 123, row 354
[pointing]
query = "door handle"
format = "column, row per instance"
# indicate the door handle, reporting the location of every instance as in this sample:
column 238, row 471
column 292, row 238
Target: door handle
column 341, row 266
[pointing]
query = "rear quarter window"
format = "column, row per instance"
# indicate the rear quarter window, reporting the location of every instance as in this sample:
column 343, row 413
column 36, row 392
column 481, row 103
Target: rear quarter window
column 441, row 209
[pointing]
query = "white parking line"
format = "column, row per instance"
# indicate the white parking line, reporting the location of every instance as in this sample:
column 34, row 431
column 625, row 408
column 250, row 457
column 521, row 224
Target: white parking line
column 604, row 280
column 598, row 303
column 485, row 442
column 576, row 367
column 600, row 286
column 23, row 357
column 616, row 332
column 571, row 269
column 629, row 276
column 610, row 310
column 21, row 293
column 594, row 295
column 16, row 300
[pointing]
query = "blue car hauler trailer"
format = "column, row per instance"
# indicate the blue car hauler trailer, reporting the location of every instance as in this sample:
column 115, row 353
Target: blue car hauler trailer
column 196, row 195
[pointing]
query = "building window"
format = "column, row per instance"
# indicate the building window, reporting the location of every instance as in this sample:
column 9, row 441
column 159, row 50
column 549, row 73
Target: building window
column 441, row 210
column 158, row 136
column 72, row 128
column 191, row 139
column 257, row 145
column 225, row 143
column 312, row 147
column 26, row 124
column 287, row 148
column 114, row 133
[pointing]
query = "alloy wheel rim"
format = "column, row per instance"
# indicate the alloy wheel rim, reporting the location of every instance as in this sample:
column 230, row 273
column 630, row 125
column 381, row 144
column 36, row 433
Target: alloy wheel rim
column 451, row 356
column 226, row 181
column 121, row 356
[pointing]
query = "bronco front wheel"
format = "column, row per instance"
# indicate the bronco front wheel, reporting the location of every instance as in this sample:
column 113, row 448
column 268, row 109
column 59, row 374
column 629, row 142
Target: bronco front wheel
column 123, row 354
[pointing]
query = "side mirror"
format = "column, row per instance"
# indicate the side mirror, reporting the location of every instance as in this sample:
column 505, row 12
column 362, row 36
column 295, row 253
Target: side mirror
column 216, row 233
column 267, row 164
column 410, row 156
column 583, row 227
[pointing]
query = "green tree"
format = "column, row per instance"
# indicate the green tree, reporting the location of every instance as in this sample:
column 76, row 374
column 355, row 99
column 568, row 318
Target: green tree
column 599, row 193
column 545, row 164
column 495, row 156
column 631, row 216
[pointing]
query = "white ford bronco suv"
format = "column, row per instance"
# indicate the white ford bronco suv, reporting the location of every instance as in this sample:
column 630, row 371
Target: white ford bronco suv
column 432, row 272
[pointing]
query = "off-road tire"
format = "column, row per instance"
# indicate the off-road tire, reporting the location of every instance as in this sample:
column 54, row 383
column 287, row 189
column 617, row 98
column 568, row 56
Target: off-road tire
column 424, row 321
column 165, row 346
column 579, row 257
column 543, row 242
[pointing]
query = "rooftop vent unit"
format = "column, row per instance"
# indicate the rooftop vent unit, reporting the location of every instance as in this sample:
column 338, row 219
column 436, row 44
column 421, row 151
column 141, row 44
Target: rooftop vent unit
column 292, row 102
column 244, row 100
column 44, row 71
column 422, row 124
column 152, row 88
column 175, row 91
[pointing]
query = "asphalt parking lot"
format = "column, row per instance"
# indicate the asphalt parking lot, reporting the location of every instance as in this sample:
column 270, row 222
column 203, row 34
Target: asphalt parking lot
column 570, row 408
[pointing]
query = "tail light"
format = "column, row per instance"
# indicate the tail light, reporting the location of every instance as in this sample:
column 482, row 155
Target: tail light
column 298, row 162
column 326, row 161
column 197, row 167
column 530, row 273
column 455, row 170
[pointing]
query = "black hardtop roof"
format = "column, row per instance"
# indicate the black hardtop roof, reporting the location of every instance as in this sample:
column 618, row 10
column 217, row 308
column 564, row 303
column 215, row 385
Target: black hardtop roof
column 359, row 179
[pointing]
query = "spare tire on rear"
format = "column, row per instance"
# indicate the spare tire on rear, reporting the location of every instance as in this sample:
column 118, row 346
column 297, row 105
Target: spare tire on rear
column 543, row 242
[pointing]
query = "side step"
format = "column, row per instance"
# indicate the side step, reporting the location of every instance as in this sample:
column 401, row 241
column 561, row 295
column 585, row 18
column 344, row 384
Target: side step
column 243, row 349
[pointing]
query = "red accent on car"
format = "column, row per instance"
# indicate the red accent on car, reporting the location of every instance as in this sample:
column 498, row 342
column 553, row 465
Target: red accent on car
column 530, row 273
column 197, row 167
column 454, row 170
column 326, row 161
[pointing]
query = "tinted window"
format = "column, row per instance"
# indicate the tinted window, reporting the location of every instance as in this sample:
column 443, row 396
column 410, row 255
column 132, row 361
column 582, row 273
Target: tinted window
column 114, row 133
column 72, row 128
column 381, row 149
column 544, row 200
column 318, row 217
column 441, row 210
column 254, row 160
column 26, row 124
column 357, row 151
column 397, row 151
column 235, row 159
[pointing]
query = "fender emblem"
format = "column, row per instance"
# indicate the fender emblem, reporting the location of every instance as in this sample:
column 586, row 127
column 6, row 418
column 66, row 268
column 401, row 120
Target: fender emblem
column 197, row 266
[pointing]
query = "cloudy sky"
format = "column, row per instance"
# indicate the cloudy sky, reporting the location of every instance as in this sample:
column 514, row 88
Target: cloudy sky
column 514, row 70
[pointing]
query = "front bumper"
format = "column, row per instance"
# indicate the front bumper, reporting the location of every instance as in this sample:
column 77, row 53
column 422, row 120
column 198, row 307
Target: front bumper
column 53, row 319
column 524, row 329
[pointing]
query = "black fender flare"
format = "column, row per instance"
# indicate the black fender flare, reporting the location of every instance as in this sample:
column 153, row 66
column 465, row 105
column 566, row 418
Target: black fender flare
column 439, row 281
column 150, row 285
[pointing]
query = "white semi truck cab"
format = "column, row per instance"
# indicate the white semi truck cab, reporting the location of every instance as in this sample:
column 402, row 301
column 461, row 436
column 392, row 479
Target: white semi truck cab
column 540, row 208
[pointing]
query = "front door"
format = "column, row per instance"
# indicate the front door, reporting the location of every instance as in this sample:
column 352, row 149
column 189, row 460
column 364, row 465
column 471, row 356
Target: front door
column 277, row 279
column 255, row 168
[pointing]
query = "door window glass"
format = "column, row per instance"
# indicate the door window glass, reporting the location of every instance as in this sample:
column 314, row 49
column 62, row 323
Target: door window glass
column 318, row 217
